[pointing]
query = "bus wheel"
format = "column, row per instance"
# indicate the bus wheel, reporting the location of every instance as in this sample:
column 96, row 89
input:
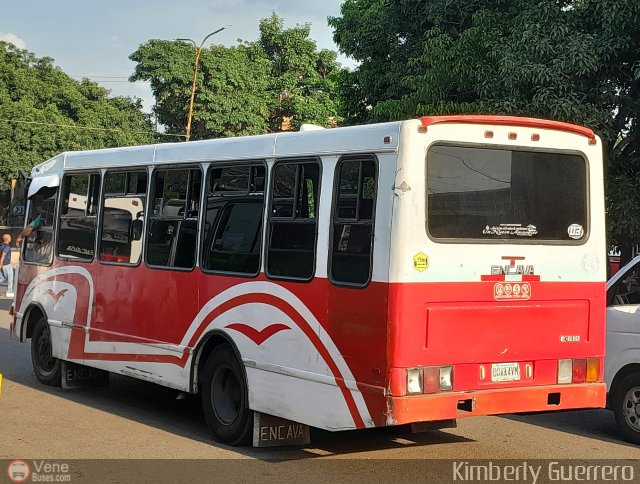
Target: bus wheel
column 626, row 407
column 48, row 369
column 225, row 398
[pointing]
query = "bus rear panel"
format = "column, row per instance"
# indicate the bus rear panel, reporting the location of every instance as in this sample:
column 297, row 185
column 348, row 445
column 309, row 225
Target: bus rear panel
column 496, row 300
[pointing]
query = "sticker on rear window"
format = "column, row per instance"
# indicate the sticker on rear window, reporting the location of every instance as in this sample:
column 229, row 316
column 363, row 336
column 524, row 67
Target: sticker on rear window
column 511, row 229
column 575, row 231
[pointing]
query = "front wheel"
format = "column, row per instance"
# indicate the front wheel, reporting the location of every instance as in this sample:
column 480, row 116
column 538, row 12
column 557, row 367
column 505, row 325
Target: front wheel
column 626, row 407
column 225, row 398
column 48, row 369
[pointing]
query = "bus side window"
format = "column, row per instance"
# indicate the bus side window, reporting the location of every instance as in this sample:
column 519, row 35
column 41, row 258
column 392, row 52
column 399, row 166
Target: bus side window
column 233, row 222
column 353, row 214
column 38, row 247
column 125, row 195
column 77, row 231
column 292, row 227
column 172, row 232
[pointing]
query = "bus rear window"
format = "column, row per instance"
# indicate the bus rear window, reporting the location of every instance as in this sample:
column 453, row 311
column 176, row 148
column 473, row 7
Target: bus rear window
column 491, row 194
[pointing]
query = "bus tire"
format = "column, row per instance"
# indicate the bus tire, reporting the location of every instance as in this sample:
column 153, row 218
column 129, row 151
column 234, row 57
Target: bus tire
column 48, row 369
column 225, row 399
column 625, row 402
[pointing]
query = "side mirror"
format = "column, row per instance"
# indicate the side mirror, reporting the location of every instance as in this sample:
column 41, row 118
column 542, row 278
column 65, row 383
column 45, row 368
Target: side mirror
column 135, row 231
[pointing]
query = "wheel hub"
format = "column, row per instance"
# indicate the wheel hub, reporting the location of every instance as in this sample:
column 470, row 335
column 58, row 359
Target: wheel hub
column 226, row 395
column 631, row 408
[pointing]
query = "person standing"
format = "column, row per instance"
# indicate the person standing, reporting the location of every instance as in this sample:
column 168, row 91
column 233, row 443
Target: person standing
column 6, row 269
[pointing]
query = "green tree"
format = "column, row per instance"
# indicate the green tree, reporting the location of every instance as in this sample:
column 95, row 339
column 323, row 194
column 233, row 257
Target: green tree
column 570, row 60
column 304, row 81
column 44, row 112
column 245, row 89
column 231, row 97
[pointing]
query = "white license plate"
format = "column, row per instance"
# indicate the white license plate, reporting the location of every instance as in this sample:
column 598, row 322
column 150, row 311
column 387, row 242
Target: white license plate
column 505, row 372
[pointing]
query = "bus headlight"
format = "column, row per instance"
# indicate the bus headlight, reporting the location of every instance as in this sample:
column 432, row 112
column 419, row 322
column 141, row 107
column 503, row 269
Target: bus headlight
column 414, row 380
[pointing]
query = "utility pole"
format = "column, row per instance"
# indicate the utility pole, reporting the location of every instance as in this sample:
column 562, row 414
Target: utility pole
column 195, row 76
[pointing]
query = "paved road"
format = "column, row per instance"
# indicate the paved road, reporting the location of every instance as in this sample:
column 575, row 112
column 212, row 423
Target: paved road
column 133, row 419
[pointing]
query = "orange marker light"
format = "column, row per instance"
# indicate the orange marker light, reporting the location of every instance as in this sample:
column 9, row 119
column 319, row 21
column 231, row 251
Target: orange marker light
column 513, row 136
column 535, row 137
column 488, row 134
column 593, row 370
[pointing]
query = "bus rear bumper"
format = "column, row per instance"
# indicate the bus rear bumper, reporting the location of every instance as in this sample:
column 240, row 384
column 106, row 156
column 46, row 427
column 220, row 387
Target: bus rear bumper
column 445, row 406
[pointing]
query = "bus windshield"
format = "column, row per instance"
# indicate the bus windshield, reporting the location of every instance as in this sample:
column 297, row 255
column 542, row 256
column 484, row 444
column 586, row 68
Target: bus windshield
column 485, row 194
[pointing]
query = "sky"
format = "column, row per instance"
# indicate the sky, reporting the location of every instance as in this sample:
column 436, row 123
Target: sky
column 95, row 38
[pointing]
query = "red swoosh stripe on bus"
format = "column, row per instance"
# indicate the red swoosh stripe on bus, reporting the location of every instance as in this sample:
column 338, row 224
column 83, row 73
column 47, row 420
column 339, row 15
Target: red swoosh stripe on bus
column 56, row 296
column 258, row 337
column 77, row 342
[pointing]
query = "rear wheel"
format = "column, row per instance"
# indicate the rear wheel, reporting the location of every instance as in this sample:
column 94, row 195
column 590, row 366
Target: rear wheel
column 626, row 407
column 48, row 369
column 225, row 398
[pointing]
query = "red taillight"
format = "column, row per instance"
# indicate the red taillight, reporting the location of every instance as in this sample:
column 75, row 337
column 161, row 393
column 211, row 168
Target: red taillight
column 579, row 370
column 431, row 379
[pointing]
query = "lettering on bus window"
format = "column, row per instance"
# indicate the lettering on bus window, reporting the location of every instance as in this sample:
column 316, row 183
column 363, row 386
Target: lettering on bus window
column 233, row 222
column 173, row 226
column 496, row 194
column 352, row 223
column 38, row 247
column 123, row 215
column 292, row 227
column 77, row 231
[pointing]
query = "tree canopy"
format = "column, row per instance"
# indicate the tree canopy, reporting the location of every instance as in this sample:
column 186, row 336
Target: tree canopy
column 43, row 112
column 249, row 88
column 570, row 60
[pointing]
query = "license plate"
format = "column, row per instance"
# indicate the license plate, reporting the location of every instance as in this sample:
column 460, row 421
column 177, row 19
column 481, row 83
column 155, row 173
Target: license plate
column 505, row 372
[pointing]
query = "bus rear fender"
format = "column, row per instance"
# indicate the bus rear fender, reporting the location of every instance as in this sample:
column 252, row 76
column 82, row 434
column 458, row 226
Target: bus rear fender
column 203, row 349
column 32, row 315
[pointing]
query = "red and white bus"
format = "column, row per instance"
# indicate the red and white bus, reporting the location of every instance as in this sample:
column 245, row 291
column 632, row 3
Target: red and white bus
column 396, row 273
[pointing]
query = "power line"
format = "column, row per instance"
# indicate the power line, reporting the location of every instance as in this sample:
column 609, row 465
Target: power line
column 86, row 128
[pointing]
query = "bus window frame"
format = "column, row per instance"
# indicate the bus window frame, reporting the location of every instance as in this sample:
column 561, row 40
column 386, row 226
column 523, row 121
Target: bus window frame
column 332, row 219
column 149, row 211
column 59, row 216
column 454, row 240
column 54, row 229
column 240, row 163
column 267, row 222
column 101, row 212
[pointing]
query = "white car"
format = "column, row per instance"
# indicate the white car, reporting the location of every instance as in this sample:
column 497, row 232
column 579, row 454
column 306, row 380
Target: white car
column 622, row 360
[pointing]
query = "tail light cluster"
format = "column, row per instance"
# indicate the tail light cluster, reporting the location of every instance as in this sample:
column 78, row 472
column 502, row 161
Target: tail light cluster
column 579, row 370
column 430, row 379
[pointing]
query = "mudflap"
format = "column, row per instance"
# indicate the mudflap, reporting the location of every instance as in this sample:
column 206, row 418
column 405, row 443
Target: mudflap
column 419, row 427
column 76, row 376
column 271, row 431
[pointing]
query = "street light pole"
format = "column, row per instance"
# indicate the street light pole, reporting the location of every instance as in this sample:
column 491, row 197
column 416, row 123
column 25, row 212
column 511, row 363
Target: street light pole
column 195, row 76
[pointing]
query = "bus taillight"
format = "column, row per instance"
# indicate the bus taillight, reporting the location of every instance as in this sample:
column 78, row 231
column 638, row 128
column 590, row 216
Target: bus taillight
column 432, row 379
column 578, row 370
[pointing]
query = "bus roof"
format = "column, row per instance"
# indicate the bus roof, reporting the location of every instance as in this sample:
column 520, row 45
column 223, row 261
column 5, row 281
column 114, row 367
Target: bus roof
column 372, row 137
column 313, row 141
